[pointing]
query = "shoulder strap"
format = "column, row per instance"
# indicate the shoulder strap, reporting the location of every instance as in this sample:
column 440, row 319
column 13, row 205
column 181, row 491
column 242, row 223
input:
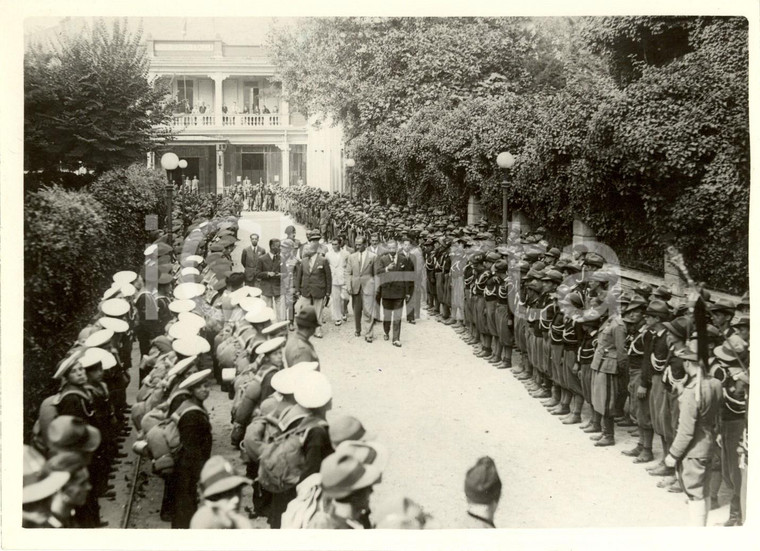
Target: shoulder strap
column 67, row 392
column 181, row 411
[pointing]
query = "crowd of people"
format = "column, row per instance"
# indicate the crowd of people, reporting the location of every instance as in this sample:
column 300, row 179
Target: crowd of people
column 258, row 196
column 562, row 321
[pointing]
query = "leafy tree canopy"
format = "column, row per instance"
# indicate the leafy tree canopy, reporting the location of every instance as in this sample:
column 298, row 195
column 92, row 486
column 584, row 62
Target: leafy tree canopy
column 89, row 100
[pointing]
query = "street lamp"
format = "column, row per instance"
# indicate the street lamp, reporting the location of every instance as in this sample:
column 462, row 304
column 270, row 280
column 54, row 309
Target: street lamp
column 169, row 162
column 350, row 163
column 505, row 160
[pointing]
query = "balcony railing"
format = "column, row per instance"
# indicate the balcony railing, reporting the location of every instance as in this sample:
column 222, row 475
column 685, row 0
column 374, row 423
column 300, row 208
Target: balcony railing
column 241, row 121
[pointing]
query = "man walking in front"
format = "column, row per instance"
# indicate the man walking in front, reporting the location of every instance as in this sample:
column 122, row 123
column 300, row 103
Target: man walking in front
column 360, row 271
column 266, row 276
column 249, row 258
column 313, row 281
column 395, row 283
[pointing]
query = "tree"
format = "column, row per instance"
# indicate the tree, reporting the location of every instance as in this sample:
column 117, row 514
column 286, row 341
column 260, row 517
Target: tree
column 89, row 101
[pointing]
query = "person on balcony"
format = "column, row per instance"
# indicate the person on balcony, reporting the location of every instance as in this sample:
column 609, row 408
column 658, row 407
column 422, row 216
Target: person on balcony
column 202, row 108
column 266, row 111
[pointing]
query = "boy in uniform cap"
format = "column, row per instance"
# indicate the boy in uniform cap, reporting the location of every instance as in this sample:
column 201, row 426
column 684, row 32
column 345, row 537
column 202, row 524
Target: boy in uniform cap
column 40, row 485
column 221, row 491
column 482, row 488
column 695, row 439
column 298, row 347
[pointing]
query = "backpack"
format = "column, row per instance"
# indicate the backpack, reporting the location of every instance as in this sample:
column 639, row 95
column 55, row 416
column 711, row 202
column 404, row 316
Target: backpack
column 262, row 430
column 306, row 504
column 241, row 384
column 48, row 412
column 282, row 460
column 163, row 439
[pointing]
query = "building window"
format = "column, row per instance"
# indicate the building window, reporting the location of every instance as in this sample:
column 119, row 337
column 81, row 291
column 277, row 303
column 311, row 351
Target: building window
column 297, row 164
column 251, row 97
column 185, row 94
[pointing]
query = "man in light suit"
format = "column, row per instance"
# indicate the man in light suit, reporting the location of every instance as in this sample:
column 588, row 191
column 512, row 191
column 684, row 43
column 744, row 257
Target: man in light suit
column 360, row 273
column 313, row 281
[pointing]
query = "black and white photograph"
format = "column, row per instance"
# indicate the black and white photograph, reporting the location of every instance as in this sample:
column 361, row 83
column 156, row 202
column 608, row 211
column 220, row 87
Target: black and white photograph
column 390, row 271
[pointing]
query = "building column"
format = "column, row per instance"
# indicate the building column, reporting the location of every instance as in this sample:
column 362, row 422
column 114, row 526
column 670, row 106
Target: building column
column 218, row 97
column 219, row 163
column 285, row 149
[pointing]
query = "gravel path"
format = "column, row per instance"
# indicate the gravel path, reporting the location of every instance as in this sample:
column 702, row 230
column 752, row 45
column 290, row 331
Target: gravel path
column 438, row 408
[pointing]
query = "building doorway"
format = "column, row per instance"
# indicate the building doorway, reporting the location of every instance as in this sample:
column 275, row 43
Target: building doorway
column 254, row 167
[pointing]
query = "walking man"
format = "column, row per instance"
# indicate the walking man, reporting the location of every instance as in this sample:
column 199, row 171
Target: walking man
column 312, row 281
column 360, row 272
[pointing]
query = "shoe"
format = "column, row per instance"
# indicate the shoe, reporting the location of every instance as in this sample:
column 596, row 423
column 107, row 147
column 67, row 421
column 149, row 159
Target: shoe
column 606, row 440
column 655, row 467
column 397, row 343
column 592, row 429
column 572, row 419
column 386, row 337
column 733, row 521
column 494, row 361
column 338, row 323
column 449, row 321
column 597, row 437
column 291, row 327
column 482, row 354
column 626, row 422
column 108, row 494
column 635, row 452
column 550, row 402
column 675, row 488
column 561, row 410
column 345, row 317
column 635, row 433
column 318, row 335
column 543, row 394
column 644, row 457
column 665, row 482
column 502, row 365
column 358, row 333
column 662, row 470
column 368, row 338
column 412, row 322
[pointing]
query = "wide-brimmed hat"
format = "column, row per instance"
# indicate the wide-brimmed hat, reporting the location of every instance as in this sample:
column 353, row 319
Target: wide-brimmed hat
column 259, row 315
column 740, row 320
column 662, row 293
column 271, row 345
column 194, row 379
column 163, row 343
column 218, row 476
column 733, row 350
column 346, row 427
column 189, row 270
column 681, row 327
column 342, row 474
column 659, row 309
column 253, row 304
column 191, row 318
column 115, row 307
column 723, row 305
column 40, row 483
column 189, row 290
column 181, row 366
column 191, row 260
column 94, row 356
column 307, row 317
column 554, row 276
column 99, row 338
column 69, row 433
column 366, row 451
column 68, row 362
column 312, row 390
column 117, row 325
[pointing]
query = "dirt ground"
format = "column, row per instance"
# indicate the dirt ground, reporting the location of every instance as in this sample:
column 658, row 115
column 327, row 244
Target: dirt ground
column 438, row 408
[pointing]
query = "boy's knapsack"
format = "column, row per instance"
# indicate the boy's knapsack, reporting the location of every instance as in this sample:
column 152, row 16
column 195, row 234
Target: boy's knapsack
column 48, row 412
column 241, row 384
column 306, row 504
column 262, row 430
column 163, row 439
column 282, row 460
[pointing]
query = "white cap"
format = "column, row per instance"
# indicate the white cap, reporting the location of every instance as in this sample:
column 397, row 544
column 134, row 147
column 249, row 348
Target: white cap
column 312, row 390
column 274, row 327
column 182, row 330
column 178, row 306
column 128, row 290
column 249, row 304
column 124, row 277
column 150, row 250
column 189, row 271
column 180, row 366
column 114, row 324
column 270, row 346
column 96, row 355
column 189, row 290
column 194, row 379
column 191, row 346
column 192, row 319
column 111, row 291
column 99, row 338
column 115, row 307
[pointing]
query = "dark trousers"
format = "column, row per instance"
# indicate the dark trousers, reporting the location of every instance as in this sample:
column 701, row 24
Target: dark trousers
column 357, row 304
column 392, row 311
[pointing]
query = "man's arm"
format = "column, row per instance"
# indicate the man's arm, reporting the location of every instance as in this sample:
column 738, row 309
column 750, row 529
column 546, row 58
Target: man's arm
column 328, row 276
column 687, row 420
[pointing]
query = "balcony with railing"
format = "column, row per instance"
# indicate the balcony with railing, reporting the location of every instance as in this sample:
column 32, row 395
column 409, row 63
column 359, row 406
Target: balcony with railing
column 188, row 121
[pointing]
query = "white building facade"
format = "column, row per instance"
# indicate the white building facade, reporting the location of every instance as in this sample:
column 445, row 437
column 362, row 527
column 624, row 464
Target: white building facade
column 233, row 123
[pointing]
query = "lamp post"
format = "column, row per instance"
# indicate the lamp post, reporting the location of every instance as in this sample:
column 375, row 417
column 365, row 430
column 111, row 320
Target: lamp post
column 505, row 160
column 169, row 162
column 350, row 163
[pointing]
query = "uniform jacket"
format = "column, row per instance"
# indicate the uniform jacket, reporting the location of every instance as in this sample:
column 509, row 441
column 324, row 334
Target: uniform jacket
column 313, row 281
column 299, row 349
column 655, row 352
column 269, row 285
column 359, row 275
column 695, row 436
column 610, row 349
column 195, row 439
column 473, row 521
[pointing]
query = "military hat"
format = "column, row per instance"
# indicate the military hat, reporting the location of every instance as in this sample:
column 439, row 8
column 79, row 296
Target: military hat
column 593, row 260
column 94, row 356
column 181, row 366
column 591, row 316
column 165, row 278
column 260, row 315
column 218, row 477
column 191, row 345
column 270, row 345
column 115, row 307
column 553, row 276
column 70, row 361
column 124, row 277
column 114, row 324
column 482, row 483
column 643, row 289
column 740, row 320
column 658, row 308
column 307, row 317
column 99, row 338
column 151, row 249
column 68, row 433
column 181, row 330
column 194, row 379
column 524, row 266
column 162, row 249
column 192, row 319
column 662, row 293
column 185, row 291
column 553, row 252
column 636, row 302
column 605, row 277
column 275, row 327
column 492, row 256
column 680, row 327
column 501, row 266
column 216, row 247
column 723, row 305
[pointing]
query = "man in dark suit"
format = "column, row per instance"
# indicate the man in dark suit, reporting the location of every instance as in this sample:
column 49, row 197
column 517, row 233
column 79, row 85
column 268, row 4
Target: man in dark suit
column 394, row 272
column 249, row 257
column 360, row 271
column 266, row 276
column 313, row 281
